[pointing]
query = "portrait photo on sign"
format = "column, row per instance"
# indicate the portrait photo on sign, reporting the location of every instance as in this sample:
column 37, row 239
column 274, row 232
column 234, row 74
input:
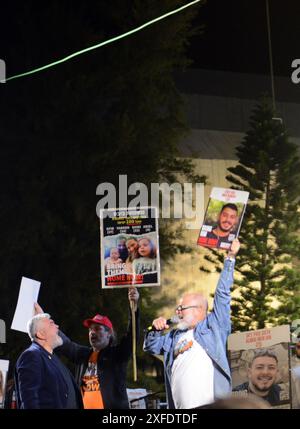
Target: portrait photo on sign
column 262, row 371
column 130, row 248
column 223, row 218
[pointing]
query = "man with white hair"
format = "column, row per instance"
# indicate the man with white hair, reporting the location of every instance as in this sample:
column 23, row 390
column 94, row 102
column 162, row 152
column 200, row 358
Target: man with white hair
column 41, row 379
column 101, row 368
column 196, row 367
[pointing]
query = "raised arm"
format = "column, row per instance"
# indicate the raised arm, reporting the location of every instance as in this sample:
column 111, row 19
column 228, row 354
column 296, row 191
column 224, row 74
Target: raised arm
column 221, row 307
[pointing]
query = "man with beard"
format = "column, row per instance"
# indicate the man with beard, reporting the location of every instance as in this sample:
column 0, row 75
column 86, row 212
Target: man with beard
column 227, row 221
column 196, row 367
column 262, row 374
column 101, row 367
column 41, row 379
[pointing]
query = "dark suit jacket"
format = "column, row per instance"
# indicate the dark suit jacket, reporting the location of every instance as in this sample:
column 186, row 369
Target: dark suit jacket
column 39, row 381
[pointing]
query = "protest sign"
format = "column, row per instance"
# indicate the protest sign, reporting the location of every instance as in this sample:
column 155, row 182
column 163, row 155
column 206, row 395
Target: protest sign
column 259, row 362
column 223, row 218
column 129, row 247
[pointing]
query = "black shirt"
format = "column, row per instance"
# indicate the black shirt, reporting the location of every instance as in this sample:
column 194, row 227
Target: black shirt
column 273, row 396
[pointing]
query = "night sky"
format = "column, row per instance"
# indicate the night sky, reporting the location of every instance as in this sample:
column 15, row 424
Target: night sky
column 234, row 37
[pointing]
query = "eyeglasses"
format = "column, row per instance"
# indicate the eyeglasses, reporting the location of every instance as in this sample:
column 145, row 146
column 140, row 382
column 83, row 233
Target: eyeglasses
column 182, row 307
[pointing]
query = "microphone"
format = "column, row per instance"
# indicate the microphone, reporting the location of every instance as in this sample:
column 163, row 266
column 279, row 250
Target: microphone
column 172, row 321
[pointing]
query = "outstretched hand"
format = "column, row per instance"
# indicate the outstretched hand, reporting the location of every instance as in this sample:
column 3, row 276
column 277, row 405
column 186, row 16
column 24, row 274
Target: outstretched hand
column 37, row 309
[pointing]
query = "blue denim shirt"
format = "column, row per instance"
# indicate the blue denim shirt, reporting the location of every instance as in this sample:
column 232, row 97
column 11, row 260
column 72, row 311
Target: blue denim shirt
column 211, row 333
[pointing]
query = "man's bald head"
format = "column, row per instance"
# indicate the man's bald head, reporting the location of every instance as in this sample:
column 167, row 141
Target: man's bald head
column 192, row 309
column 196, row 299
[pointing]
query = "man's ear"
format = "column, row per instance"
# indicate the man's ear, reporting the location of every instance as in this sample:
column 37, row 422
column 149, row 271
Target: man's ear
column 39, row 335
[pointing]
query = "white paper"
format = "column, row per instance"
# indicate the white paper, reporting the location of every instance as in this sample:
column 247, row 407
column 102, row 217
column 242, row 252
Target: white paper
column 28, row 295
column 4, row 364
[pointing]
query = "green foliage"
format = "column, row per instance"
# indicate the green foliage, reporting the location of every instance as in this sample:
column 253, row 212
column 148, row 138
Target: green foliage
column 269, row 169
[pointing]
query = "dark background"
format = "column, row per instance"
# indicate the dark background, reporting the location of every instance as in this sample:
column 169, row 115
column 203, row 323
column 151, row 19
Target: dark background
column 234, row 35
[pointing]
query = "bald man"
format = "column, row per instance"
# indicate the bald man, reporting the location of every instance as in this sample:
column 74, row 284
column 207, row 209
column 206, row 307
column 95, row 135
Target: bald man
column 196, row 367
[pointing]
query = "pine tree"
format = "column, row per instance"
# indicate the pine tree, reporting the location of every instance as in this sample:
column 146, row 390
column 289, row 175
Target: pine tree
column 268, row 285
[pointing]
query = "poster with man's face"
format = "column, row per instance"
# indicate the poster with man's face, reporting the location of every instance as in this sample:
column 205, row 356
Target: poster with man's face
column 223, row 218
column 259, row 362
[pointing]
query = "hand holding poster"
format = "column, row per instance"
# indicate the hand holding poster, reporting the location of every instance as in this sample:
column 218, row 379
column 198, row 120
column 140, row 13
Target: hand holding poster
column 223, row 218
column 129, row 247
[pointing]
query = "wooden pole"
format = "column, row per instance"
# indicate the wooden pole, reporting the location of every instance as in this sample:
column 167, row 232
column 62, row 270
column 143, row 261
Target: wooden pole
column 133, row 308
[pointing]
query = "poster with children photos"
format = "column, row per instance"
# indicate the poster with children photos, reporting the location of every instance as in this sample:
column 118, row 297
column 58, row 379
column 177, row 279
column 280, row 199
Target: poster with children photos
column 129, row 247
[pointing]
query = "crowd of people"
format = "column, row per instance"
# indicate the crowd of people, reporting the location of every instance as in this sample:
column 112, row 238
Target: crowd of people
column 196, row 368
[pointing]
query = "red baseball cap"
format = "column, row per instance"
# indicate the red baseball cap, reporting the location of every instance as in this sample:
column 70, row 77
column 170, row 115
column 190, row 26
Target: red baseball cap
column 101, row 320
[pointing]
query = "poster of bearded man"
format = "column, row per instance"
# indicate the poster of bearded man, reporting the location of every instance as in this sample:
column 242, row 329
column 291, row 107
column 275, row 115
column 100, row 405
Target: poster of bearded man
column 260, row 365
column 223, row 218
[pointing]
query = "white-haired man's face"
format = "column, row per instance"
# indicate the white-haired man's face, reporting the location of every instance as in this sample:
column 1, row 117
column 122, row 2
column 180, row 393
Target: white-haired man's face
column 47, row 333
column 191, row 310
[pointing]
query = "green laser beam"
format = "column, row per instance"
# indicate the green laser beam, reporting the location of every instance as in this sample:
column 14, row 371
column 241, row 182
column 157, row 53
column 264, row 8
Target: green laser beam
column 106, row 42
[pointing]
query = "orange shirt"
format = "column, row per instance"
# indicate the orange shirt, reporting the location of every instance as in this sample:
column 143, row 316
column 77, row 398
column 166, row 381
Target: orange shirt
column 90, row 387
